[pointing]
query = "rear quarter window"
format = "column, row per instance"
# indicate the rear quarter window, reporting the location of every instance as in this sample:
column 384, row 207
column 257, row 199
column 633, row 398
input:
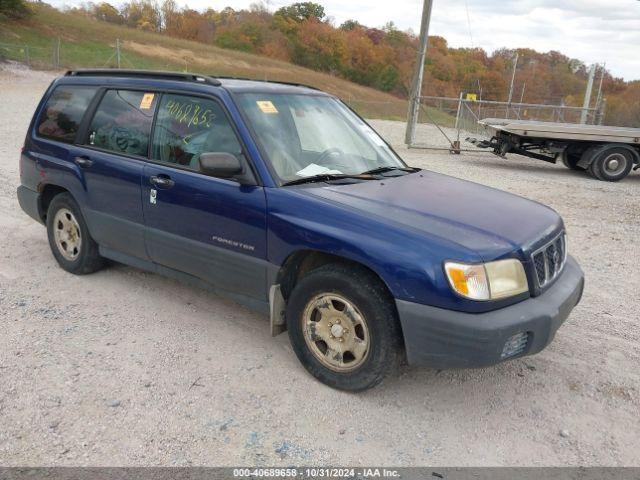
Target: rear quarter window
column 63, row 112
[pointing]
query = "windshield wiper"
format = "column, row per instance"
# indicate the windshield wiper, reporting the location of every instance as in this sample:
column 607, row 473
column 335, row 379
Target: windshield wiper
column 390, row 169
column 325, row 177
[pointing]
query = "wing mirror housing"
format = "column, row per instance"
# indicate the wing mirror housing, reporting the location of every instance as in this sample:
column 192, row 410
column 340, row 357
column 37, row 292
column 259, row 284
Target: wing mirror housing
column 220, row 164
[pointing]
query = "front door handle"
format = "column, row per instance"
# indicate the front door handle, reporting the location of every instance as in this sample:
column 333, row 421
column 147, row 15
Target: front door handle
column 162, row 181
column 83, row 161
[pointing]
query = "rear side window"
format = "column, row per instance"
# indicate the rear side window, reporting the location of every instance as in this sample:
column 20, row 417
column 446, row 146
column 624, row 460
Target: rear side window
column 63, row 112
column 122, row 122
column 187, row 126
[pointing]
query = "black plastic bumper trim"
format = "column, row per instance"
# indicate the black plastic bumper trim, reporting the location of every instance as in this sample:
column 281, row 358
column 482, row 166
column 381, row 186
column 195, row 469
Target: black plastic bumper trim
column 441, row 338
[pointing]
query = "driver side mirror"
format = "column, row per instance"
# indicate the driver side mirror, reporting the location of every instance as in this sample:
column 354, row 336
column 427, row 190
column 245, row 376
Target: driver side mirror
column 220, row 164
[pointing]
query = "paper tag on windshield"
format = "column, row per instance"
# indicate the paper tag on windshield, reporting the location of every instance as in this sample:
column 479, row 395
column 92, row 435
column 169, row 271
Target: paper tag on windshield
column 266, row 106
column 147, row 100
column 313, row 169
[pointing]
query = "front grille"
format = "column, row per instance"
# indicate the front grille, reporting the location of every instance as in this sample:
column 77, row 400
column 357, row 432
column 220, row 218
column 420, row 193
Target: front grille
column 550, row 259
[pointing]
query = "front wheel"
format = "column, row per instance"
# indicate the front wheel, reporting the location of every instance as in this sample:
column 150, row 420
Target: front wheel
column 570, row 160
column 343, row 327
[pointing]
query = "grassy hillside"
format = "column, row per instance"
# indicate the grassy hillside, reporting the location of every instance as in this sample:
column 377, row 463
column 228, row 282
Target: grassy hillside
column 90, row 43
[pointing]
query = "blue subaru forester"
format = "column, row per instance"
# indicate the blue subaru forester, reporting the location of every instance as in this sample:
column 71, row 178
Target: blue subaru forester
column 281, row 197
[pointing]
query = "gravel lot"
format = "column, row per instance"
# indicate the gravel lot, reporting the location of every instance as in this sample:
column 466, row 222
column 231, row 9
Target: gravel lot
column 128, row 368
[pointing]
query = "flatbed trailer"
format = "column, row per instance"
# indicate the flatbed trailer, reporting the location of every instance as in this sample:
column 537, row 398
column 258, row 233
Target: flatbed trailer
column 607, row 153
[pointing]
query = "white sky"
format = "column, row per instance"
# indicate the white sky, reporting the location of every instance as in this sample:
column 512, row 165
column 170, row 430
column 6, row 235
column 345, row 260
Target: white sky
column 590, row 30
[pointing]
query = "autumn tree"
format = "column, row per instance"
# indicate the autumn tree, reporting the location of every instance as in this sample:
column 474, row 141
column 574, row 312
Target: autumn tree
column 383, row 58
column 107, row 13
column 170, row 17
column 142, row 14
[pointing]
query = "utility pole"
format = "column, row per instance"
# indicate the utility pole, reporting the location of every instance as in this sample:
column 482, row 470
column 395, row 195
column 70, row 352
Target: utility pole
column 513, row 79
column 602, row 110
column 416, row 86
column 599, row 96
column 118, row 52
column 587, row 95
column 524, row 86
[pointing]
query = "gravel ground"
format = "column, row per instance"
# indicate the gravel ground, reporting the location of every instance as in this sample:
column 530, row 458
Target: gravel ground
column 129, row 368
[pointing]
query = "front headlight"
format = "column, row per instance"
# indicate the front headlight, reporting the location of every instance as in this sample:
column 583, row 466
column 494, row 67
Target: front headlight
column 488, row 281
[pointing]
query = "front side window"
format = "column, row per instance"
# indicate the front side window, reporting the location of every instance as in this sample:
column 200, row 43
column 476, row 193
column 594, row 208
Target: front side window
column 187, row 127
column 61, row 116
column 122, row 123
column 307, row 135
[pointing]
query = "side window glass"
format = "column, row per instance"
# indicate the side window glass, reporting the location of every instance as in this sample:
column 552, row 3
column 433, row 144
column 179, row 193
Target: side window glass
column 187, row 126
column 63, row 112
column 122, row 122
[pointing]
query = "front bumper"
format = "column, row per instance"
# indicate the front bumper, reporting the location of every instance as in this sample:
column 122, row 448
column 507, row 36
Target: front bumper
column 440, row 338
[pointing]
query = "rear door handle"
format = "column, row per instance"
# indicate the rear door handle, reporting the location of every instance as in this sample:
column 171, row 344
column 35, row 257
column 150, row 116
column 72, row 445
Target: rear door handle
column 162, row 181
column 83, row 161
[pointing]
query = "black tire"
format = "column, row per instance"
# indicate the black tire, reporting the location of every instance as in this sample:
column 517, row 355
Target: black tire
column 87, row 259
column 587, row 159
column 593, row 170
column 376, row 308
column 612, row 164
column 571, row 159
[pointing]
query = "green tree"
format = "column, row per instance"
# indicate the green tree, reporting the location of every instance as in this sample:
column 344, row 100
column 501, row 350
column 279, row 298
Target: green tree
column 350, row 25
column 302, row 11
column 13, row 9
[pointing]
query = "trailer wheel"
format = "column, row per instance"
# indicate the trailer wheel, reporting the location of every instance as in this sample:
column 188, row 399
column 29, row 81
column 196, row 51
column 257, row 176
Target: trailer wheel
column 571, row 159
column 593, row 170
column 612, row 164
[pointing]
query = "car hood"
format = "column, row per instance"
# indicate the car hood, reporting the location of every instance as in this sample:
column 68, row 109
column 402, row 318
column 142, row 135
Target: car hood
column 490, row 222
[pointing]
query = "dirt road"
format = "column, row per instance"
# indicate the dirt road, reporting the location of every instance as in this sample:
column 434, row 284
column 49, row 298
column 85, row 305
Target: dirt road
column 128, row 368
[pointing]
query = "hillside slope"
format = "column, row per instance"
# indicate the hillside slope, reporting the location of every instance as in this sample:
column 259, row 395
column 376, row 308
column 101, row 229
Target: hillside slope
column 89, row 43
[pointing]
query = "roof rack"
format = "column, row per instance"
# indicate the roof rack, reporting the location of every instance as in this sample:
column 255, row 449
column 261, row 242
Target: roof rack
column 113, row 72
column 293, row 84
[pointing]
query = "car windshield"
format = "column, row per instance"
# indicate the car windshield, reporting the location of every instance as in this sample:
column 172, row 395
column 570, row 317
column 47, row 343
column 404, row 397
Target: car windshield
column 309, row 135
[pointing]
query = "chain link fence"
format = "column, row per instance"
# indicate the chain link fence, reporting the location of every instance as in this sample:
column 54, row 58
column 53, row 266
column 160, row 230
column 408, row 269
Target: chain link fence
column 60, row 55
column 17, row 53
column 445, row 122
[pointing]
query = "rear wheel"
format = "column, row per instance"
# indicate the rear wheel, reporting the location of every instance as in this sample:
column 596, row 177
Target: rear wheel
column 594, row 171
column 612, row 164
column 343, row 327
column 587, row 159
column 69, row 238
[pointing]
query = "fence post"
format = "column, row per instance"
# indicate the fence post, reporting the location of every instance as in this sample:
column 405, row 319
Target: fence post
column 58, row 53
column 55, row 53
column 458, row 114
column 118, row 52
column 602, row 108
column 456, row 144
